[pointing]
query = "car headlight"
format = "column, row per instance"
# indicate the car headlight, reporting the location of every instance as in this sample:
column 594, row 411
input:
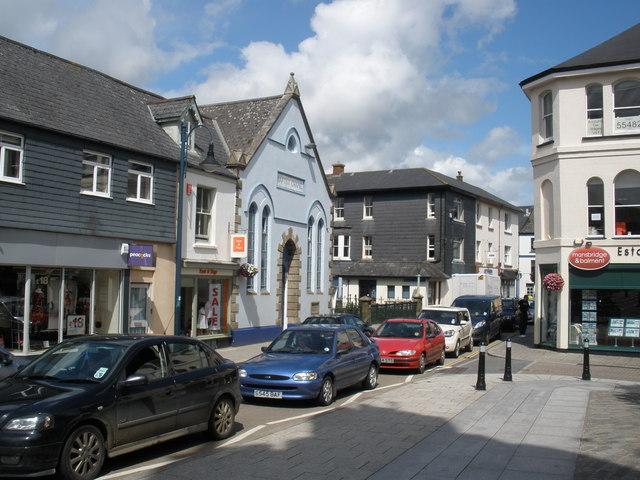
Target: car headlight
column 449, row 333
column 31, row 423
column 242, row 372
column 481, row 323
column 406, row 353
column 305, row 376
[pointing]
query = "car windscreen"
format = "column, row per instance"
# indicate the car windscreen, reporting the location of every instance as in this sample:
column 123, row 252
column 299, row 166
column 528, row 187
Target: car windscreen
column 441, row 316
column 322, row 321
column 85, row 362
column 400, row 330
column 303, row 341
column 478, row 309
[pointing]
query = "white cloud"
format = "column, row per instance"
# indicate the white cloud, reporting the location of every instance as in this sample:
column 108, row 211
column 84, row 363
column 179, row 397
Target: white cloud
column 220, row 8
column 500, row 142
column 513, row 184
column 371, row 75
column 115, row 36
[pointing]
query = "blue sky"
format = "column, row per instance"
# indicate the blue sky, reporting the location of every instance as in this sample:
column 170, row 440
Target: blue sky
column 386, row 83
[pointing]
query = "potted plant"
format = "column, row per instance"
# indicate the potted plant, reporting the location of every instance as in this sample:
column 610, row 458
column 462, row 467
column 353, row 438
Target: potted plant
column 553, row 282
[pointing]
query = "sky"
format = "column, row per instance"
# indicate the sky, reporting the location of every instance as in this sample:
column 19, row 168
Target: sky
column 384, row 83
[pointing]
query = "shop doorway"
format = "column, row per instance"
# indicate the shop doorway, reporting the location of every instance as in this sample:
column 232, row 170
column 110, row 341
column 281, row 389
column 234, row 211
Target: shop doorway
column 138, row 308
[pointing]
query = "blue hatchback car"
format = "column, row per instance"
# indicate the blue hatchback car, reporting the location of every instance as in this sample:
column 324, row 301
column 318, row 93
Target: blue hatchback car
column 311, row 362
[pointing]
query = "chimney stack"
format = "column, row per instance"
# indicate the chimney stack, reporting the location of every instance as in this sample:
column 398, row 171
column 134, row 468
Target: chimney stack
column 459, row 176
column 338, row 169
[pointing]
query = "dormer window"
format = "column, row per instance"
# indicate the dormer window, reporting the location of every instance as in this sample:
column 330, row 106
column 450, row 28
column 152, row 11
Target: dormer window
column 293, row 144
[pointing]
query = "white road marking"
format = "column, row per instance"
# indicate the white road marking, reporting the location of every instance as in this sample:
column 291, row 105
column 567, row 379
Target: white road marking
column 352, row 399
column 408, row 379
column 139, row 469
column 242, row 436
column 386, row 386
column 275, row 422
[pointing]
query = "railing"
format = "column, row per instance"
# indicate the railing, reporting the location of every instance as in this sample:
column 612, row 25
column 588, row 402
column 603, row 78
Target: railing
column 384, row 311
column 350, row 305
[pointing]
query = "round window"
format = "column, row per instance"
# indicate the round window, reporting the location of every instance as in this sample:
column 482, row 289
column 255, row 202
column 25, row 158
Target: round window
column 292, row 144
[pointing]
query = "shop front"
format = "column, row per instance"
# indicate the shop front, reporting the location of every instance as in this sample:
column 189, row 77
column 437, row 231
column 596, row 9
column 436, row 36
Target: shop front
column 206, row 294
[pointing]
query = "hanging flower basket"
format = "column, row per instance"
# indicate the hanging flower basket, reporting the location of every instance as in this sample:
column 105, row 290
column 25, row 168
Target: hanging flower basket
column 248, row 270
column 553, row 282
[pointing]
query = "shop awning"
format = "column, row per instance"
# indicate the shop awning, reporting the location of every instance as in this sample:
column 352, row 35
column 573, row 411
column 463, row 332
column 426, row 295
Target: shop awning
column 611, row 277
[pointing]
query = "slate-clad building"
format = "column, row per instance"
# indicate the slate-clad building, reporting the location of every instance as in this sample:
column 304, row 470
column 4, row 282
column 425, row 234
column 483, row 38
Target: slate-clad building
column 283, row 207
column 395, row 231
column 88, row 195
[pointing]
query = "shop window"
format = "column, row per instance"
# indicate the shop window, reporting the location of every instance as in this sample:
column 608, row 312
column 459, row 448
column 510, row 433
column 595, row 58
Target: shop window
column 139, row 308
column 96, row 174
column 309, row 253
column 12, row 283
column 595, row 207
column 107, row 302
column 204, row 205
column 140, row 182
column 11, row 154
column 594, row 110
column 77, row 302
column 547, row 213
column 627, row 203
column 626, row 99
column 264, row 250
column 251, row 242
column 211, row 306
column 606, row 317
column 546, row 107
column 319, row 254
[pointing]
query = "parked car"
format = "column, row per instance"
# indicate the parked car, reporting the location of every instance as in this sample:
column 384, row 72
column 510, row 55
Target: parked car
column 95, row 397
column 410, row 344
column 339, row 319
column 311, row 362
column 456, row 324
column 486, row 315
column 510, row 316
column 10, row 363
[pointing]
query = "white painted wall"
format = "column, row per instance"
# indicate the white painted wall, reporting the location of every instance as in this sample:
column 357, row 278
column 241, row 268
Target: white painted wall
column 495, row 231
column 526, row 258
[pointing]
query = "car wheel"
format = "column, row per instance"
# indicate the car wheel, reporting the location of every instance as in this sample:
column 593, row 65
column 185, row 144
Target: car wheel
column 83, row 454
column 222, row 420
column 423, row 363
column 371, row 380
column 470, row 345
column 456, row 351
column 327, row 392
column 441, row 359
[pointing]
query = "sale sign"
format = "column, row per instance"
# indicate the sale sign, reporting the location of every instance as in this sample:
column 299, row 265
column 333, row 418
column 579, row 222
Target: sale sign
column 593, row 258
column 214, row 310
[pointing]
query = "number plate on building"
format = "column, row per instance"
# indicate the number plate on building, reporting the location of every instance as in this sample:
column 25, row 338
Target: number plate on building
column 266, row 394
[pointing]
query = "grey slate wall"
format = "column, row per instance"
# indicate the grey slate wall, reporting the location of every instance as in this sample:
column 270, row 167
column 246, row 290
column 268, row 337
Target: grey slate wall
column 51, row 200
column 455, row 229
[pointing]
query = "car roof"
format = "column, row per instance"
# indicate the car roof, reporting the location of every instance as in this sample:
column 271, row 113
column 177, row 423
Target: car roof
column 445, row 309
column 477, row 297
column 413, row 320
column 127, row 339
column 318, row 326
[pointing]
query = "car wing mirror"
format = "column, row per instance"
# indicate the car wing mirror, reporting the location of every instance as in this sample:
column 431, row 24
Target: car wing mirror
column 134, row 381
column 264, row 349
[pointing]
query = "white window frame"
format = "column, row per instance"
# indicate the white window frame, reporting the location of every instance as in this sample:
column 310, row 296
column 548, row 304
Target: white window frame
column 595, row 205
column 431, row 205
column 200, row 239
column 338, row 209
column 587, row 109
column 3, row 148
column 622, row 131
column 96, row 167
column 367, row 207
column 507, row 222
column 340, row 243
column 543, row 117
column 507, row 255
column 458, row 204
column 431, row 248
column 140, row 174
column 367, row 244
column 460, row 257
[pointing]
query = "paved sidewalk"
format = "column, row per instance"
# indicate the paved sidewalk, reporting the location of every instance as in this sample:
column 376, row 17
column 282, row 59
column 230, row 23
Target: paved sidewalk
column 242, row 353
column 437, row 428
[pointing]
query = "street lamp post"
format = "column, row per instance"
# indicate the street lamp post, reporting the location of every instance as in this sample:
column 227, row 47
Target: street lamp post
column 208, row 165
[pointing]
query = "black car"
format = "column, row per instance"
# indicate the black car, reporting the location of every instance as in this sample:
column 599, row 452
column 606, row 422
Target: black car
column 340, row 319
column 486, row 315
column 101, row 396
column 509, row 314
column 10, row 363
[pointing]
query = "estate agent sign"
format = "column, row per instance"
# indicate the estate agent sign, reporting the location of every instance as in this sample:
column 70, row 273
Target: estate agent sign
column 592, row 258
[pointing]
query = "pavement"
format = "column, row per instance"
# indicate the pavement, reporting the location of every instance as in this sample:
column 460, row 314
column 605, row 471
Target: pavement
column 546, row 424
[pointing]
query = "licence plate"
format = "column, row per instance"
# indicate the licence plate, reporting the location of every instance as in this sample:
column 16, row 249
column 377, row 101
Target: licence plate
column 387, row 360
column 267, row 394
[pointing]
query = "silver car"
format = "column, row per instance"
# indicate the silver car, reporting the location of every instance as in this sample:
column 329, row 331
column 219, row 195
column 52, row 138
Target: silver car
column 457, row 327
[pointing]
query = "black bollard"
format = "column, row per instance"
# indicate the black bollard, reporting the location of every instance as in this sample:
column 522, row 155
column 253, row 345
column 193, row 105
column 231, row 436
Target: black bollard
column 481, row 384
column 507, row 363
column 586, row 371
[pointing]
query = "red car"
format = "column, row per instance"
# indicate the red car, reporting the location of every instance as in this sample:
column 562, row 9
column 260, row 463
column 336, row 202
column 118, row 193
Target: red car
column 410, row 344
